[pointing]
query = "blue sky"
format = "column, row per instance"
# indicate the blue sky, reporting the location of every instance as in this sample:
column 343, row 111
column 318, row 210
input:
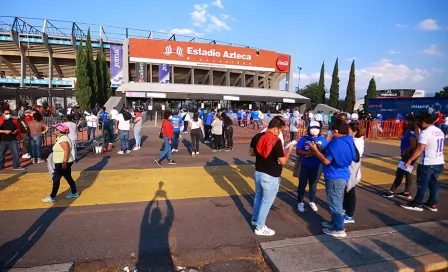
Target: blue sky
column 403, row 43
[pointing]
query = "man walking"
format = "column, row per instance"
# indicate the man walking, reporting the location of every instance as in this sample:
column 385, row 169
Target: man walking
column 10, row 134
column 106, row 126
column 431, row 143
column 208, row 125
column 177, row 122
column 269, row 160
column 113, row 117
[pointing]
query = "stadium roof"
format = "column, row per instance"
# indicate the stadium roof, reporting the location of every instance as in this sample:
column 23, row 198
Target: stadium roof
column 206, row 92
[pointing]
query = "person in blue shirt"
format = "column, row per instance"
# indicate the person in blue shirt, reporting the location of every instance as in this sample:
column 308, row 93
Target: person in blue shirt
column 208, row 125
column 269, row 114
column 246, row 115
column 336, row 159
column 256, row 117
column 311, row 167
column 239, row 116
column 200, row 113
column 399, row 116
column 177, row 122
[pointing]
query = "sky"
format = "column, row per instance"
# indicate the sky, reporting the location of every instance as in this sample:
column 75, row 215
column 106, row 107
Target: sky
column 402, row 43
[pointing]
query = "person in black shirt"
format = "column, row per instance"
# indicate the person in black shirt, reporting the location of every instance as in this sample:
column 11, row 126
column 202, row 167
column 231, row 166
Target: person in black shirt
column 269, row 160
column 9, row 132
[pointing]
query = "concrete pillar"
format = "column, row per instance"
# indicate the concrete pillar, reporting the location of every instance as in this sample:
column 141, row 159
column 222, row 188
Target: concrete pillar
column 210, row 77
column 50, row 71
column 266, row 81
column 289, row 87
column 150, row 72
column 22, row 69
column 228, row 78
column 192, row 75
column 243, row 79
column 256, row 83
column 126, row 61
column 172, row 74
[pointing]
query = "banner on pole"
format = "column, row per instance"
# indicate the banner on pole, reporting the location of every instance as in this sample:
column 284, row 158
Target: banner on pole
column 141, row 72
column 164, row 73
column 116, row 64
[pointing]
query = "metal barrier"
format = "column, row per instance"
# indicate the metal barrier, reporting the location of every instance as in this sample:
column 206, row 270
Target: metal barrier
column 378, row 130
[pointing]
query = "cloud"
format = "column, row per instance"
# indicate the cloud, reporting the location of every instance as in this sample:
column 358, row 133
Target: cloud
column 400, row 25
column 199, row 17
column 433, row 50
column 217, row 3
column 186, row 32
column 216, row 24
column 200, row 7
column 428, row 24
column 437, row 70
column 225, row 16
column 393, row 52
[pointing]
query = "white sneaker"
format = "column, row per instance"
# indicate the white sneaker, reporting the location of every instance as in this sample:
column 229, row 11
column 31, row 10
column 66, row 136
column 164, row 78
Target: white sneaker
column 313, row 206
column 48, row 199
column 265, row 231
column 301, row 207
column 136, row 148
column 197, row 153
column 26, row 156
column 335, row 233
column 120, row 152
column 128, row 151
column 193, row 154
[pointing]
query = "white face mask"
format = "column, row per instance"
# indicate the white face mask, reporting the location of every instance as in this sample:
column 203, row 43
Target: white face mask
column 314, row 131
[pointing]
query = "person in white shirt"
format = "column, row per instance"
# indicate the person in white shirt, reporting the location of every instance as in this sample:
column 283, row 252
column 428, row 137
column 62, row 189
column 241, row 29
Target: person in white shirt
column 445, row 127
column 318, row 117
column 355, row 116
column 113, row 117
column 92, row 124
column 123, row 124
column 72, row 134
column 261, row 116
column 430, row 149
column 187, row 118
column 311, row 116
column 284, row 114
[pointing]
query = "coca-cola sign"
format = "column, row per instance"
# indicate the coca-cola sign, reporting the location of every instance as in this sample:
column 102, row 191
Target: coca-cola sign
column 283, row 63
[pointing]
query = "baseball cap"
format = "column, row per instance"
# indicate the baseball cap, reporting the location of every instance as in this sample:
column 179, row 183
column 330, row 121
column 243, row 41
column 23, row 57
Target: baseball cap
column 314, row 124
column 61, row 127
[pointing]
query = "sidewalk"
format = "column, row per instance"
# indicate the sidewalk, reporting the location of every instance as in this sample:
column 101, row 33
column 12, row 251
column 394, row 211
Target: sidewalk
column 415, row 247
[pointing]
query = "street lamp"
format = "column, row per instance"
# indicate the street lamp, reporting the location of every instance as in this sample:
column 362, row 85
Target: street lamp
column 298, row 85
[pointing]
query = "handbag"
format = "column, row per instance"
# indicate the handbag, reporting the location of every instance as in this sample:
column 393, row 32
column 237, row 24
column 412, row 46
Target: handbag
column 161, row 132
column 297, row 165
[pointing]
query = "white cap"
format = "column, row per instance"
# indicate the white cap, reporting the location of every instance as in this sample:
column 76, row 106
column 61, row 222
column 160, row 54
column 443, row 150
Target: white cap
column 314, row 124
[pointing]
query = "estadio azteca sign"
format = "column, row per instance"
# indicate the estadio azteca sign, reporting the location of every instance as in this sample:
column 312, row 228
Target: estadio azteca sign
column 207, row 55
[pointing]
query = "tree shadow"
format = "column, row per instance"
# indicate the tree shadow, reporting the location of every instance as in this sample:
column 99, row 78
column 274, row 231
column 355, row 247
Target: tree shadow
column 154, row 252
column 229, row 179
column 13, row 251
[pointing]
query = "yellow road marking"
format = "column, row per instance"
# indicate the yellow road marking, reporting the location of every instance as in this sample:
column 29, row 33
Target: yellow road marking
column 24, row 191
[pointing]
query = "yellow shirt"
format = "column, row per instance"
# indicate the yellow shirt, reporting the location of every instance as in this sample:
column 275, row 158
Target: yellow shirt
column 58, row 152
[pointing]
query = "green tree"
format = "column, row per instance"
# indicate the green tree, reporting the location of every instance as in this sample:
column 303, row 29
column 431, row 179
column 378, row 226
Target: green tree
column 371, row 93
column 312, row 92
column 321, row 94
column 443, row 92
column 334, row 89
column 91, row 72
column 100, row 95
column 83, row 91
column 106, row 78
column 350, row 99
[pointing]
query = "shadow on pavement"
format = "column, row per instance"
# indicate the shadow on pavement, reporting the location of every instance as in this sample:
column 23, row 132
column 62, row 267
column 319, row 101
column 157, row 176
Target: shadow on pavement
column 230, row 181
column 10, row 181
column 13, row 251
column 154, row 252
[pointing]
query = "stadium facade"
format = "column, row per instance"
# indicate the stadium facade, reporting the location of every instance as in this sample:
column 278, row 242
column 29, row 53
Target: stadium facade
column 37, row 62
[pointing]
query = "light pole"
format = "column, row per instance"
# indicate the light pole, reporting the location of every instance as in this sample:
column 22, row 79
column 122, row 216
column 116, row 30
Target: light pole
column 298, row 85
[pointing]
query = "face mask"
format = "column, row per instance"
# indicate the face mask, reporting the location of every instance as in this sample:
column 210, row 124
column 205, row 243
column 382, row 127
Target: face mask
column 7, row 116
column 314, row 131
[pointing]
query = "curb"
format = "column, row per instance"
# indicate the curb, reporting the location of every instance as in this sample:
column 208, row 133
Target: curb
column 64, row 267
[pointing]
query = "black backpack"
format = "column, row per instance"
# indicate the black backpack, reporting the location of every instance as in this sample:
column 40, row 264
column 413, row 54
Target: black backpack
column 127, row 116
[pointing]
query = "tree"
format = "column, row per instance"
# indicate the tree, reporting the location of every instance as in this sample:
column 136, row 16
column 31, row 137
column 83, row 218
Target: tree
column 334, row 89
column 106, row 78
column 443, row 92
column 371, row 93
column 100, row 95
column 311, row 91
column 83, row 91
column 321, row 94
column 350, row 99
column 91, row 72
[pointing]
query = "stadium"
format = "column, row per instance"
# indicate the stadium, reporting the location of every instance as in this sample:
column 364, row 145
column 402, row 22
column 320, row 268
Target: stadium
column 149, row 68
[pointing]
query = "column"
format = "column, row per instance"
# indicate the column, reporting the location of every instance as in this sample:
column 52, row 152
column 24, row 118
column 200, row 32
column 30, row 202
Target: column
column 256, row 83
column 210, row 77
column 243, row 79
column 22, row 69
column 172, row 74
column 192, row 75
column 228, row 78
column 50, row 71
column 266, row 81
column 125, row 61
column 150, row 72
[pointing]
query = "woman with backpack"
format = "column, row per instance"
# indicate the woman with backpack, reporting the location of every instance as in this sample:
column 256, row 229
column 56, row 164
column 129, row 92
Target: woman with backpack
column 196, row 132
column 228, row 132
column 311, row 167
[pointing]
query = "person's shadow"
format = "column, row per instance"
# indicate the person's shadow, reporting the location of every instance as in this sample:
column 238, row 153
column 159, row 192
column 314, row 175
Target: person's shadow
column 154, row 252
column 13, row 251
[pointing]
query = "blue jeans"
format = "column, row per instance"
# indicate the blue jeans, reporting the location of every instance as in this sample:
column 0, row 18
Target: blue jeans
column 166, row 149
column 13, row 146
column 137, row 136
column 308, row 175
column 266, row 189
column 91, row 130
column 444, row 128
column 124, row 140
column 335, row 197
column 175, row 142
column 427, row 179
column 36, row 146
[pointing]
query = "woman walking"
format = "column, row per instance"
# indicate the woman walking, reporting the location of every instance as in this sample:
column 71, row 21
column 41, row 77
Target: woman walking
column 167, row 132
column 72, row 134
column 63, row 161
column 228, row 132
column 217, row 133
column 37, row 131
column 196, row 132
column 407, row 147
column 137, row 121
column 357, row 133
column 311, row 167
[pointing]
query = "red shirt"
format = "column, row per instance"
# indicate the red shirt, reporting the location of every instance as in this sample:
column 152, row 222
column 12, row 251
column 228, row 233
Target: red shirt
column 167, row 129
column 439, row 119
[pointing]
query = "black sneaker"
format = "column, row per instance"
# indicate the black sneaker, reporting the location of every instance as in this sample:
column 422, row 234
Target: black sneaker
column 171, row 162
column 158, row 162
column 404, row 195
column 412, row 206
column 389, row 194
